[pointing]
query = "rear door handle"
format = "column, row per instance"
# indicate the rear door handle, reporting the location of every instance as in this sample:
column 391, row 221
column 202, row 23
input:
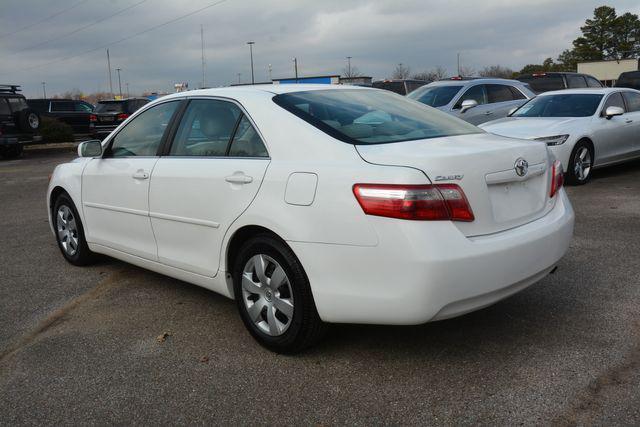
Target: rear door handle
column 239, row 178
column 629, row 121
column 140, row 174
column 488, row 113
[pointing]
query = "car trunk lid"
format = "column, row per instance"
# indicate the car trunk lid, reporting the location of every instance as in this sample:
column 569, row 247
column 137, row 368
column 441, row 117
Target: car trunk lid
column 484, row 166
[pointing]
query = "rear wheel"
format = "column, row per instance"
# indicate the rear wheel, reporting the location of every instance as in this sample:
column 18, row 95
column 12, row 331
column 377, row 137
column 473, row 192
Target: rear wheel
column 69, row 232
column 580, row 164
column 274, row 297
column 28, row 120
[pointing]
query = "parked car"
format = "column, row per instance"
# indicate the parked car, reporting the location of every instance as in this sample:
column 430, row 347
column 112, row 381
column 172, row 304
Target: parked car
column 19, row 124
column 75, row 113
column 313, row 204
column 630, row 79
column 475, row 100
column 107, row 115
column 399, row 86
column 548, row 81
column 585, row 128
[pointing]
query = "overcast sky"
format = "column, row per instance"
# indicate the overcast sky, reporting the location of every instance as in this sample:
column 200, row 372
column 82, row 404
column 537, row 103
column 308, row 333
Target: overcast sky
column 66, row 50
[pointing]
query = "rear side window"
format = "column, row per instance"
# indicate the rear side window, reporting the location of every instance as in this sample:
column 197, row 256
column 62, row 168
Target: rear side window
column 498, row 93
column 516, row 93
column 142, row 135
column 4, row 107
column 206, row 128
column 62, row 106
column 246, row 141
column 365, row 116
column 544, row 82
column 633, row 101
column 476, row 93
column 83, row 107
column 614, row 100
column 574, row 81
column 591, row 82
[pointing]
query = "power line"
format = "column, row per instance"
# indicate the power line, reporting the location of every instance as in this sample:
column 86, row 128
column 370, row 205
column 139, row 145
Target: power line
column 139, row 33
column 43, row 20
column 84, row 27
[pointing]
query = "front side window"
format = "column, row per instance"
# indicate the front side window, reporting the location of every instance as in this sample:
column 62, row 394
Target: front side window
column 364, row 116
column 574, row 81
column 435, row 96
column 476, row 93
column 142, row 136
column 206, row 128
column 633, row 101
column 561, row 105
column 246, row 141
column 499, row 93
column 614, row 100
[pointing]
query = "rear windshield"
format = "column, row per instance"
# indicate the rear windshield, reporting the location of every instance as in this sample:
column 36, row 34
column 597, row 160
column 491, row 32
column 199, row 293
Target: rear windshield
column 435, row 96
column 569, row 105
column 545, row 83
column 109, row 107
column 370, row 116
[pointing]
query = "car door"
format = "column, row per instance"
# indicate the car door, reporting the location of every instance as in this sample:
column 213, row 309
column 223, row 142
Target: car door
column 210, row 175
column 632, row 101
column 475, row 115
column 115, row 187
column 612, row 137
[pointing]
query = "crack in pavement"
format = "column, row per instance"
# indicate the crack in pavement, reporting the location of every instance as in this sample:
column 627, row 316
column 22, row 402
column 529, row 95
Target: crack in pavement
column 57, row 315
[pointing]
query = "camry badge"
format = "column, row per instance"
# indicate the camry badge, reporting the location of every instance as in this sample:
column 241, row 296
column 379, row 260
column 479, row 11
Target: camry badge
column 521, row 167
column 448, row 177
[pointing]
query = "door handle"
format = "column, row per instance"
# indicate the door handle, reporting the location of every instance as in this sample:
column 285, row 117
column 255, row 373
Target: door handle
column 140, row 174
column 628, row 121
column 239, row 178
column 488, row 113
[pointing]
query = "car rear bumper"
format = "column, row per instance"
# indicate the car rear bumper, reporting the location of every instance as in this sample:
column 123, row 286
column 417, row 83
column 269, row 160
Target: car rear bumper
column 423, row 271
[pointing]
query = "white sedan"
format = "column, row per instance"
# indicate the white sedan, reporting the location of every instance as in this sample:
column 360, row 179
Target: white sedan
column 312, row 204
column 585, row 128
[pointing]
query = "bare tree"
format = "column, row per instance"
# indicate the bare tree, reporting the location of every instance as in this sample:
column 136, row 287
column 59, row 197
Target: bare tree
column 497, row 71
column 353, row 72
column 466, row 71
column 437, row 73
column 401, row 72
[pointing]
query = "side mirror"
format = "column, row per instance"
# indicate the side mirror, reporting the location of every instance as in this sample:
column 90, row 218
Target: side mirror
column 613, row 111
column 91, row 148
column 513, row 110
column 468, row 104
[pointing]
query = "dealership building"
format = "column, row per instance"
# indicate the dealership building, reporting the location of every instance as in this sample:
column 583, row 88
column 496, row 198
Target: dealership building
column 608, row 71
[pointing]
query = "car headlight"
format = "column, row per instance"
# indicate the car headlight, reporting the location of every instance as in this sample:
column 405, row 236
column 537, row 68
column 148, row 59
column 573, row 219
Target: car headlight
column 553, row 140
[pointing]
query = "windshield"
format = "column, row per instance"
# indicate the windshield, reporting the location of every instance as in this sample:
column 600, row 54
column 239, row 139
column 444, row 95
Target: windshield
column 564, row 105
column 109, row 107
column 370, row 116
column 435, row 96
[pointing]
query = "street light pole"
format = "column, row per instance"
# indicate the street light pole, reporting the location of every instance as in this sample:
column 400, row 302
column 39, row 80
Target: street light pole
column 349, row 66
column 295, row 67
column 270, row 69
column 44, row 90
column 119, row 83
column 251, row 53
column 239, row 74
column 127, row 86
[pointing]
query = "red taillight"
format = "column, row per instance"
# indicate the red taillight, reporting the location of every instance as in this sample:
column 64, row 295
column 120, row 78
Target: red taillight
column 93, row 118
column 415, row 202
column 539, row 74
column 122, row 116
column 557, row 178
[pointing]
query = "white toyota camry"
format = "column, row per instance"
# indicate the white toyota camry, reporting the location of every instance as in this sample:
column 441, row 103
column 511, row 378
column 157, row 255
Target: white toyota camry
column 584, row 128
column 312, row 204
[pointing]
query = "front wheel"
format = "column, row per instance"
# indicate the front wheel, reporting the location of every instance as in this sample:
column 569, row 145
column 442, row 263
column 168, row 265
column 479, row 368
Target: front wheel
column 69, row 232
column 274, row 297
column 580, row 164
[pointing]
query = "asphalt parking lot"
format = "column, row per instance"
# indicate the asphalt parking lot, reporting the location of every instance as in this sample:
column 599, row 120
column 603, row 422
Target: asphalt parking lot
column 114, row 344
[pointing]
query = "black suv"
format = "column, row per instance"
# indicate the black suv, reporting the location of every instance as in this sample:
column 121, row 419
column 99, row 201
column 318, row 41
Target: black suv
column 19, row 124
column 630, row 79
column 109, row 114
column 545, row 82
column 73, row 112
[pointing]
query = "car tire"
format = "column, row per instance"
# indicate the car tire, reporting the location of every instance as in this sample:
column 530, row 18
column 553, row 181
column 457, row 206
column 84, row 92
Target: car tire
column 70, row 232
column 28, row 120
column 580, row 163
column 260, row 301
column 11, row 151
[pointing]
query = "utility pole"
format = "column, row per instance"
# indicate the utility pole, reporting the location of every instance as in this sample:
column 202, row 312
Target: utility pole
column 251, row 53
column 349, row 66
column 110, row 82
column 270, row 78
column 119, row 84
column 459, row 64
column 295, row 67
column 204, row 82
column 239, row 74
column 127, row 86
column 44, row 90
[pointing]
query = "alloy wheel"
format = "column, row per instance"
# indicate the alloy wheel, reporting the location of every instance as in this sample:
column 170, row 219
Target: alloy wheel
column 582, row 163
column 67, row 230
column 267, row 295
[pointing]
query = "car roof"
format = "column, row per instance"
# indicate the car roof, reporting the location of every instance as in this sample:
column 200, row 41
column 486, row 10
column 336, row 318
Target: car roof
column 588, row 90
column 475, row 81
